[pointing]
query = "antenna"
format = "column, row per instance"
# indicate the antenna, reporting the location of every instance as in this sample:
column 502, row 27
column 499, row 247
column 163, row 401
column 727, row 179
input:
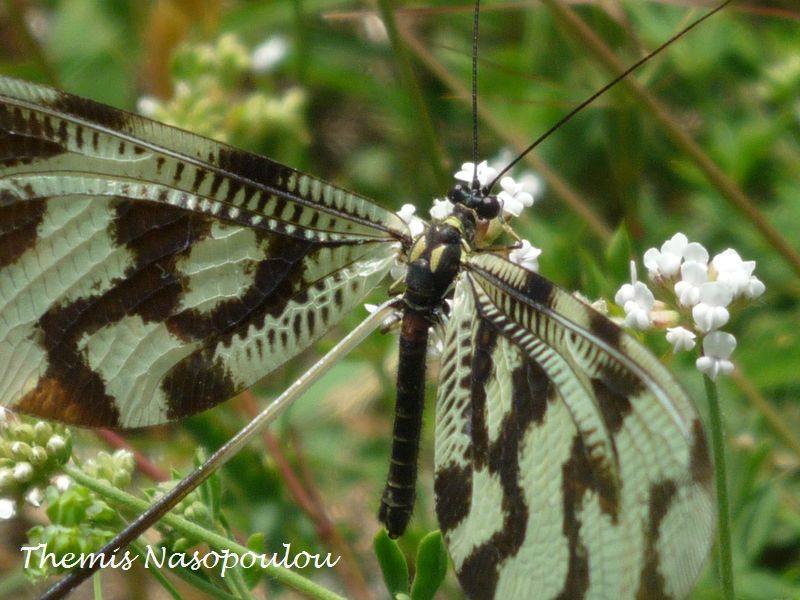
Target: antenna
column 568, row 117
column 475, row 27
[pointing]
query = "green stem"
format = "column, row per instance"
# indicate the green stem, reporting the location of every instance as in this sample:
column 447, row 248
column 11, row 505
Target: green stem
column 193, row 531
column 139, row 549
column 97, row 587
column 718, row 443
column 238, row 585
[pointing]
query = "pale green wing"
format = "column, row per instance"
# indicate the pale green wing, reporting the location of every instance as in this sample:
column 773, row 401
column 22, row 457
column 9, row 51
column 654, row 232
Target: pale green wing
column 569, row 463
column 147, row 273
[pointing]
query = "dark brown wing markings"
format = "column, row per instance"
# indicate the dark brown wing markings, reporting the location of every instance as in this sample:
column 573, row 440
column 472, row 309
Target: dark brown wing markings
column 197, row 383
column 481, row 368
column 70, row 390
column 577, row 479
column 20, row 148
column 156, row 236
column 532, row 391
column 19, row 223
column 651, row 581
column 701, row 468
column 108, row 117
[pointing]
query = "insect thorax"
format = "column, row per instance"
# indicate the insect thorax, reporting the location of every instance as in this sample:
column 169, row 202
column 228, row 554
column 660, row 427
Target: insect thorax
column 435, row 258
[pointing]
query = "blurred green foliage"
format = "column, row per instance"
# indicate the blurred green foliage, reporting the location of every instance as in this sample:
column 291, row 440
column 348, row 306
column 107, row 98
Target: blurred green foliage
column 732, row 85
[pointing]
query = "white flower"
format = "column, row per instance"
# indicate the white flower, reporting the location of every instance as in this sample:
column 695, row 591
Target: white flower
column 696, row 252
column 526, row 256
column 35, row 496
column 6, row 509
column 680, row 338
column 406, row 212
column 485, row 173
column 666, row 262
column 441, row 209
column 269, row 53
column 637, row 310
column 754, row 288
column 738, row 274
column 502, row 158
column 636, row 300
column 513, row 198
column 693, row 275
column 717, row 349
column 62, row 482
column 416, row 226
column 710, row 312
column 147, row 106
column 531, row 183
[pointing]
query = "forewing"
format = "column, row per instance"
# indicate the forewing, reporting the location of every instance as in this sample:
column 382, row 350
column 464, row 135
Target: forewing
column 569, row 462
column 147, row 273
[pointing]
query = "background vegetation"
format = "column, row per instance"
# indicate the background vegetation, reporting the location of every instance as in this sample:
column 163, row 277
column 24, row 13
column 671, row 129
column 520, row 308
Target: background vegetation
column 345, row 111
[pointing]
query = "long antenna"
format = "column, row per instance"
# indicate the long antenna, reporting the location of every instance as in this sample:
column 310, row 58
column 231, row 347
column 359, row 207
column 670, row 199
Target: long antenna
column 475, row 27
column 603, row 90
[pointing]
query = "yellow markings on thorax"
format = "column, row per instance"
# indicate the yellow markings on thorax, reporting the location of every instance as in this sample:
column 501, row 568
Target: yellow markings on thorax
column 420, row 245
column 436, row 257
column 454, row 222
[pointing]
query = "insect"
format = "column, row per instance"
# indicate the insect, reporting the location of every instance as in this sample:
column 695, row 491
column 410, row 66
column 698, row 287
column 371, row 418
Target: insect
column 567, row 457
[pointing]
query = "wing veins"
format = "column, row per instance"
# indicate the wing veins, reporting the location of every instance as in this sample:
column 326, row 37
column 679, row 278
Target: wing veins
column 201, row 164
column 597, row 341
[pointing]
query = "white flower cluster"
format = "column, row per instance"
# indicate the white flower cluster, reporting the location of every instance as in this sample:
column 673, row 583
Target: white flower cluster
column 691, row 285
column 416, row 227
column 515, row 195
column 526, row 256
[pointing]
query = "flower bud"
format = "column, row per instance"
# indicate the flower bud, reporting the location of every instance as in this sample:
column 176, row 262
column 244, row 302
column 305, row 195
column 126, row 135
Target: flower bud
column 23, row 472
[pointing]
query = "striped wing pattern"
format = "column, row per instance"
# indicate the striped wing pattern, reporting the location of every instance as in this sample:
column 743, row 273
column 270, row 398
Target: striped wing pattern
column 569, row 463
column 147, row 273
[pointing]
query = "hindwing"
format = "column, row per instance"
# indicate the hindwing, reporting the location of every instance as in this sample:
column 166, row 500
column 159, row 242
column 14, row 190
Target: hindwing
column 147, row 273
column 569, row 463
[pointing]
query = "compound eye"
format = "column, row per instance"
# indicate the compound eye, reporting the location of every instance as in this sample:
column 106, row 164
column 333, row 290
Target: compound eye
column 489, row 207
column 458, row 194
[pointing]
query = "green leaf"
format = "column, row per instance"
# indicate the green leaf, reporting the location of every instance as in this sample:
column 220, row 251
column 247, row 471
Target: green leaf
column 431, row 567
column 759, row 520
column 256, row 543
column 594, row 280
column 393, row 563
column 619, row 254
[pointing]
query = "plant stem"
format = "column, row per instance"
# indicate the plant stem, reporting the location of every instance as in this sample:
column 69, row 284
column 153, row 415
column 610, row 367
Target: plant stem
column 718, row 443
column 194, row 531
